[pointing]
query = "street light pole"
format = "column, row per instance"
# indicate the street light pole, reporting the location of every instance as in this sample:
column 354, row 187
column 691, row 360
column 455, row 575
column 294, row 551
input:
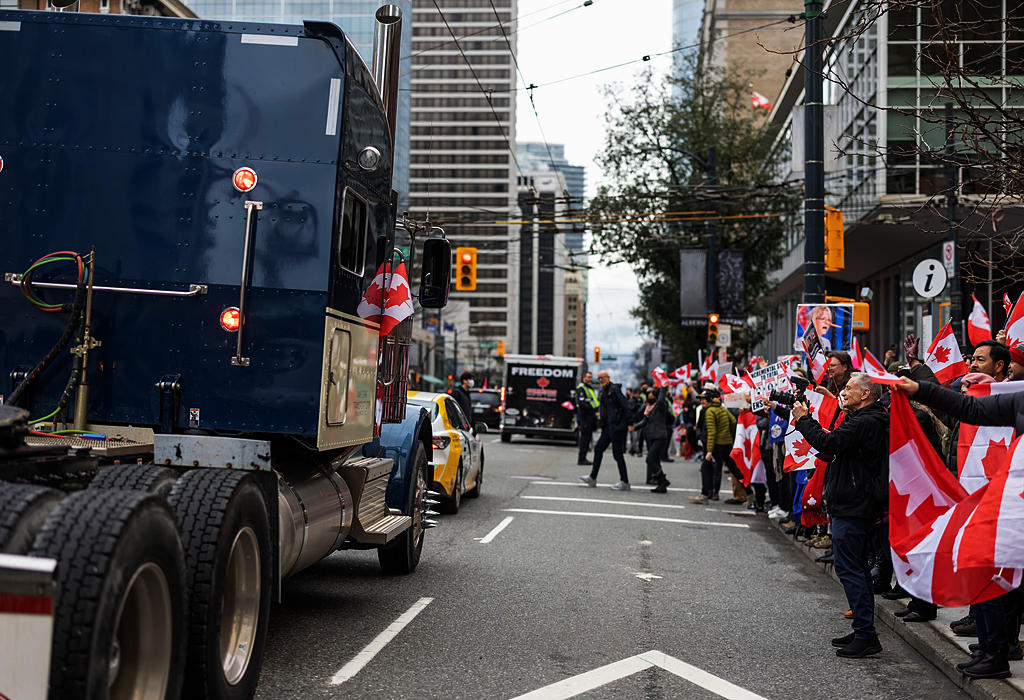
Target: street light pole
column 711, row 226
column 814, row 154
column 955, row 301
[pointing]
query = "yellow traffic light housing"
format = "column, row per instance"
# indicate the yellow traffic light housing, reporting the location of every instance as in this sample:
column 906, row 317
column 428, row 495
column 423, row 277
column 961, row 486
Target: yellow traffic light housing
column 712, row 328
column 465, row 268
column 597, row 355
column 835, row 253
column 500, row 348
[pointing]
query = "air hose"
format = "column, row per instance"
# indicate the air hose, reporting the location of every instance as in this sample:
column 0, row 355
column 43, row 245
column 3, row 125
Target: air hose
column 74, row 324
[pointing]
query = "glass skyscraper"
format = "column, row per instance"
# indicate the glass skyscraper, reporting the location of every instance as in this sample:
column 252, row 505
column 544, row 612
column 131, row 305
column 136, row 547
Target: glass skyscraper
column 355, row 17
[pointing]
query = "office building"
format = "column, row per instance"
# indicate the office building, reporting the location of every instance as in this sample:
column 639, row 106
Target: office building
column 537, row 156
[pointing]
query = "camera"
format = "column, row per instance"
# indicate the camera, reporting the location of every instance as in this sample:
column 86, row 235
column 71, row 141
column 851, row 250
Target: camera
column 788, row 398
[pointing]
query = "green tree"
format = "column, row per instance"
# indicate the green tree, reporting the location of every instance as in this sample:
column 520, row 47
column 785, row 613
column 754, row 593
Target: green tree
column 657, row 200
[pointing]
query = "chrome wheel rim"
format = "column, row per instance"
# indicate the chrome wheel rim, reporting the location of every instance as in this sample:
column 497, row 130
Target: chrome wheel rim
column 419, row 508
column 139, row 660
column 240, row 610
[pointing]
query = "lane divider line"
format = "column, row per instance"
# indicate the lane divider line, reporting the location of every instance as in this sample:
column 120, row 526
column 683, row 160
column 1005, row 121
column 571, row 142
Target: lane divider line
column 622, row 516
column 380, row 641
column 604, row 500
column 580, row 484
column 489, row 537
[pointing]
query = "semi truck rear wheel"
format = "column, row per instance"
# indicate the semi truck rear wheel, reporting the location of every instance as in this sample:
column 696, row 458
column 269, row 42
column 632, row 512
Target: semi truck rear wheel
column 226, row 534
column 403, row 555
column 136, row 477
column 23, row 510
column 119, row 621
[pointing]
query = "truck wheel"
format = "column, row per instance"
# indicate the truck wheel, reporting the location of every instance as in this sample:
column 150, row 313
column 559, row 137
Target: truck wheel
column 401, row 556
column 475, row 491
column 451, row 504
column 119, row 620
column 506, row 437
column 23, row 510
column 137, row 477
column 226, row 534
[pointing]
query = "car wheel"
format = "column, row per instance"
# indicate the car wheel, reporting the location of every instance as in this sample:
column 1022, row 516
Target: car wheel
column 450, row 505
column 120, row 615
column 403, row 555
column 475, row 491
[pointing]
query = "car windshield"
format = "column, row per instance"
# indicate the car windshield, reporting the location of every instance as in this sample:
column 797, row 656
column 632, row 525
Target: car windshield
column 427, row 404
column 487, row 398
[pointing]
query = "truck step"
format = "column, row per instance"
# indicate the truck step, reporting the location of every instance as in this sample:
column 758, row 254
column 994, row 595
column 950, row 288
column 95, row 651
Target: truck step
column 389, row 527
column 374, row 522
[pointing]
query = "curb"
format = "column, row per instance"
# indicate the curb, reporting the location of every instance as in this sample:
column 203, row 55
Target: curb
column 933, row 640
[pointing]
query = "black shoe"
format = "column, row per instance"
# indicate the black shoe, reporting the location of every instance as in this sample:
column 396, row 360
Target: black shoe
column 842, row 641
column 660, row 488
column 896, row 593
column 825, row 558
column 652, row 482
column 584, row 462
column 667, row 460
column 988, row 666
column 859, row 648
column 902, row 613
column 967, row 629
column 915, row 616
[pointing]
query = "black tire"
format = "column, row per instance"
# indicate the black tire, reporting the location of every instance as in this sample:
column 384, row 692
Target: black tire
column 137, row 477
column 23, row 510
column 109, row 545
column 220, row 513
column 475, row 491
column 506, row 437
column 402, row 556
column 450, row 504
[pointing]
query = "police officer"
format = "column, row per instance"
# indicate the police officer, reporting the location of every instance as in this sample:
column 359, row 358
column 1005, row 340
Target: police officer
column 586, row 415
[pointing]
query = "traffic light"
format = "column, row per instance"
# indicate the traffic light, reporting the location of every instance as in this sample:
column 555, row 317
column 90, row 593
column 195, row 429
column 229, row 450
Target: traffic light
column 835, row 258
column 465, row 258
column 712, row 328
column 597, row 355
column 500, row 348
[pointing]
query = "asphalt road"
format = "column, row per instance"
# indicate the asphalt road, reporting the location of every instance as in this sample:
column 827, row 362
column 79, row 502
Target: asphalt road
column 556, row 594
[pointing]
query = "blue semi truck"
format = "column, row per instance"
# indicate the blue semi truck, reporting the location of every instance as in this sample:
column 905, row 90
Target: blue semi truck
column 196, row 403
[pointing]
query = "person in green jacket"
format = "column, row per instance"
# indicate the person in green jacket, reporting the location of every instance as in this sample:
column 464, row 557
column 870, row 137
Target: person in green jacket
column 721, row 429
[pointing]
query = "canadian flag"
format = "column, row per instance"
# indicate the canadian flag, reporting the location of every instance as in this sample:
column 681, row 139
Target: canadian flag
column 799, row 453
column 1007, row 304
column 746, row 450
column 937, row 556
column 875, row 370
column 683, row 372
column 713, row 371
column 568, row 405
column 981, row 451
column 944, row 356
column 705, row 367
column 855, row 356
column 1014, row 324
column 398, row 306
column 731, row 384
column 660, row 377
column 978, row 326
column 752, row 364
column 759, row 101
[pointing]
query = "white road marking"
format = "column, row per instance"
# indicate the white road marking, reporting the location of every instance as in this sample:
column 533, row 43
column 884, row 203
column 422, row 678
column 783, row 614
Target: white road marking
column 580, row 483
column 528, row 476
column 621, row 516
column 603, row 675
column 494, row 533
column 373, row 648
column 603, row 500
column 647, row 576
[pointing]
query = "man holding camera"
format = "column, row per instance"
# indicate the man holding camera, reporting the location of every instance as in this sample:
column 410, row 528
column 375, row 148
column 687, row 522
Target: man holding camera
column 855, row 495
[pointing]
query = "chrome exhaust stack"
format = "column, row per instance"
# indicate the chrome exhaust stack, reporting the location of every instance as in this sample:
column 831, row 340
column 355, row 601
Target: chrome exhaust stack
column 387, row 44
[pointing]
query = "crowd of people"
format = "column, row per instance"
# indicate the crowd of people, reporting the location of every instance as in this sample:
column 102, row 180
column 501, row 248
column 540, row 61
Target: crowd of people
column 848, row 520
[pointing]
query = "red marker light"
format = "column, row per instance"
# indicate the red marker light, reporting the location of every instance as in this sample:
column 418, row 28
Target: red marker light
column 467, row 258
column 229, row 319
column 245, row 179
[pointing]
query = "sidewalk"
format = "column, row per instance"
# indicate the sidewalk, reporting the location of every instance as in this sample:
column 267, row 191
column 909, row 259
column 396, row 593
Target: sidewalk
column 933, row 640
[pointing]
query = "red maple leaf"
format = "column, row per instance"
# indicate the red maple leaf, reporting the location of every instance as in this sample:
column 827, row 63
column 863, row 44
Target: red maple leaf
column 542, row 382
column 398, row 296
column 996, row 459
column 373, row 294
column 941, row 354
column 801, row 448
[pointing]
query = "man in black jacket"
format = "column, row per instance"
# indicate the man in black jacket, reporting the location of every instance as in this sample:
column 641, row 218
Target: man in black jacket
column 855, row 492
column 652, row 422
column 613, row 417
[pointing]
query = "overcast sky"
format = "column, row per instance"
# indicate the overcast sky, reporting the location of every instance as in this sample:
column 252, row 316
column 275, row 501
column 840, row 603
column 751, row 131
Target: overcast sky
column 584, row 39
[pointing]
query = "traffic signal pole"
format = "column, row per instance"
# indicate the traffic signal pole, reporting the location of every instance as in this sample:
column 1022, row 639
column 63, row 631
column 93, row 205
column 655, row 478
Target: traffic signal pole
column 814, row 155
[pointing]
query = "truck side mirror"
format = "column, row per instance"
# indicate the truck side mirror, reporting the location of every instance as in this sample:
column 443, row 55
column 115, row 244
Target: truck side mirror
column 437, row 273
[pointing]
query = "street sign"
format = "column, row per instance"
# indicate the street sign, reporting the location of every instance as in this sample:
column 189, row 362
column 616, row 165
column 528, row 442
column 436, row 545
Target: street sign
column 724, row 335
column 929, row 278
column 949, row 257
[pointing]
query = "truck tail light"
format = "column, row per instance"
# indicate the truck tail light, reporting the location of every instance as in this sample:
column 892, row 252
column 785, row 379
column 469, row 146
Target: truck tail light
column 230, row 319
column 439, row 442
column 245, row 179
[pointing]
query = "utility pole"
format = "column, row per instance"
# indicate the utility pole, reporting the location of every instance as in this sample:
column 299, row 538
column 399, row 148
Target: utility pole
column 711, row 226
column 955, row 310
column 814, row 155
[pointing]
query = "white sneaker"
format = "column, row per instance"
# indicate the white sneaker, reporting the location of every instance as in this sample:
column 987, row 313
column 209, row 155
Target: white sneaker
column 588, row 480
column 620, row 486
column 778, row 516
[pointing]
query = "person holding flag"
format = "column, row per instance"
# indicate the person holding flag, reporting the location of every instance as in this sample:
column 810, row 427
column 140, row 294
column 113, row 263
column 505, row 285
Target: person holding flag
column 855, row 495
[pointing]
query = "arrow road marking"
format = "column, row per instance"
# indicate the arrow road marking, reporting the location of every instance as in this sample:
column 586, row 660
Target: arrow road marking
column 494, row 533
column 380, row 641
column 585, row 682
column 647, row 576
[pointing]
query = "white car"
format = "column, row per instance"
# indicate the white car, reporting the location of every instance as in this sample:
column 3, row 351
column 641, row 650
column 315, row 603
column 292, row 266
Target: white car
column 458, row 460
